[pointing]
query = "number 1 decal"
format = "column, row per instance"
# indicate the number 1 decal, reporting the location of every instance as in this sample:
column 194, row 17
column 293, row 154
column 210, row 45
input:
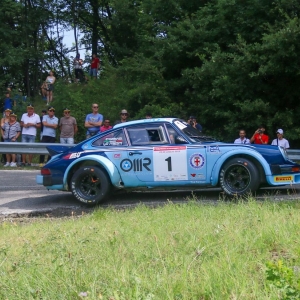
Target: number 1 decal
column 170, row 163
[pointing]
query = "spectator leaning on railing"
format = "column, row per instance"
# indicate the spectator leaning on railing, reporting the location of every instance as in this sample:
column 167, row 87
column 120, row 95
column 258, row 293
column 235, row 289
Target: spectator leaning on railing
column 280, row 141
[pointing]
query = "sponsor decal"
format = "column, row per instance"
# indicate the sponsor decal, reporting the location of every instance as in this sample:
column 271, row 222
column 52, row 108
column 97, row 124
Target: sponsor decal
column 283, row 178
column 138, row 165
column 197, row 161
column 117, row 155
column 75, row 155
column 112, row 142
column 200, row 176
column 214, row 149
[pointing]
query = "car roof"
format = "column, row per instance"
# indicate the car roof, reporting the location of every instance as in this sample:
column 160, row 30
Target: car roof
column 144, row 121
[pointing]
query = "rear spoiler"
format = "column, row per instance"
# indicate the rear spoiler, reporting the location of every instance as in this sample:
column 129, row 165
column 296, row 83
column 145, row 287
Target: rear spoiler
column 54, row 150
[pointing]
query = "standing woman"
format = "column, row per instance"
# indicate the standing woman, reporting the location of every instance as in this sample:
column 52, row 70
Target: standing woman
column 4, row 120
column 11, row 132
column 50, row 80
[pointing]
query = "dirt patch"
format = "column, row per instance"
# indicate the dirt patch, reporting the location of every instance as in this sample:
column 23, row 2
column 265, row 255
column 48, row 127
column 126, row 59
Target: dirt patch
column 67, row 213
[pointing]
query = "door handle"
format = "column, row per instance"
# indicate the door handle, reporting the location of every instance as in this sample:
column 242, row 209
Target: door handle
column 134, row 153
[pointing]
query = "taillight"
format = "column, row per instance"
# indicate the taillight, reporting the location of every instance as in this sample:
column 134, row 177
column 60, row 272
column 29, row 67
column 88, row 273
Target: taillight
column 295, row 169
column 45, row 172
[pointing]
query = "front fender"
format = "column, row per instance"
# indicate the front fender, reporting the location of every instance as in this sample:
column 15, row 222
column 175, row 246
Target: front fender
column 110, row 168
column 244, row 151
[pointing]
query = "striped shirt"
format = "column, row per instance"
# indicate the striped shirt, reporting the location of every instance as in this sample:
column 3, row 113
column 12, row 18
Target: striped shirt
column 11, row 130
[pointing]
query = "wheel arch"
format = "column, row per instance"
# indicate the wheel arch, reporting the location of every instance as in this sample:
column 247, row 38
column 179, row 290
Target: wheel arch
column 259, row 162
column 93, row 160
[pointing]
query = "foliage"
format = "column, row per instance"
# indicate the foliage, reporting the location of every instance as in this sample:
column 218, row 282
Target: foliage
column 187, row 251
column 234, row 64
column 283, row 278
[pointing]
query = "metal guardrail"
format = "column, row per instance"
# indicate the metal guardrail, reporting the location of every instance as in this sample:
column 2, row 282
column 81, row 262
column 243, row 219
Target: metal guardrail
column 29, row 148
column 40, row 148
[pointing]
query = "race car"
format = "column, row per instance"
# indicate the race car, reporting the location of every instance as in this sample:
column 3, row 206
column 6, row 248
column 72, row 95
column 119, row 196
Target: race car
column 163, row 153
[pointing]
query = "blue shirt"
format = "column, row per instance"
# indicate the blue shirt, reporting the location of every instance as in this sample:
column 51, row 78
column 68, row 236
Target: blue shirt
column 8, row 104
column 93, row 118
column 48, row 131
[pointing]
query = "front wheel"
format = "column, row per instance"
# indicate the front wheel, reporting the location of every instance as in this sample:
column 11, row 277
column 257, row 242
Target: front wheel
column 239, row 176
column 90, row 185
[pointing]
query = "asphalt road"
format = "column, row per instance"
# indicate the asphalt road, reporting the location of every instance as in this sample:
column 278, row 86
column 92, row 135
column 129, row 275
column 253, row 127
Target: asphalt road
column 20, row 195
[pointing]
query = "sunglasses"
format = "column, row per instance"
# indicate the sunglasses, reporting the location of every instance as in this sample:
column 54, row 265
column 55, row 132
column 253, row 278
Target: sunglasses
column 124, row 114
column 66, row 112
column 51, row 110
column 95, row 106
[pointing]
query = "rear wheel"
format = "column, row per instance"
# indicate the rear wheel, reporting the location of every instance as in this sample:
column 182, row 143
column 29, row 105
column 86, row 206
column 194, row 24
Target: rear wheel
column 239, row 176
column 90, row 185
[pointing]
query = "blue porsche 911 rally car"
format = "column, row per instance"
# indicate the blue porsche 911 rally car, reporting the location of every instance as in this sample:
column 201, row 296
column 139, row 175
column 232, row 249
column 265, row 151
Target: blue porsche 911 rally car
column 163, row 153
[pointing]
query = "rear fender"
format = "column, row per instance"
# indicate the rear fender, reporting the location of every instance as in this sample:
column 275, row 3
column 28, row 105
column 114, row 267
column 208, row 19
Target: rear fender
column 110, row 168
column 234, row 153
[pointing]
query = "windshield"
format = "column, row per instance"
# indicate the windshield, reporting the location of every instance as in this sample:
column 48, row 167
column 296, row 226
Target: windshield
column 194, row 135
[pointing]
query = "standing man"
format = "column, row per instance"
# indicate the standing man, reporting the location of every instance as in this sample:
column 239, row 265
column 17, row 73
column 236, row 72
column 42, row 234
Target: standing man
column 93, row 121
column 193, row 122
column 259, row 136
column 30, row 121
column 123, row 117
column 105, row 126
column 242, row 139
column 68, row 128
column 50, row 123
column 281, row 141
column 95, row 65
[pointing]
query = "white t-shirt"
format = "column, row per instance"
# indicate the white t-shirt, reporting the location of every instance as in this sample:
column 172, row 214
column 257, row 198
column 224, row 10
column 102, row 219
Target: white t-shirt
column 283, row 143
column 34, row 119
column 244, row 141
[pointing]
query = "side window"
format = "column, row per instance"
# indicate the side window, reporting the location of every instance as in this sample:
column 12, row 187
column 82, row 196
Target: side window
column 147, row 135
column 138, row 136
column 116, row 138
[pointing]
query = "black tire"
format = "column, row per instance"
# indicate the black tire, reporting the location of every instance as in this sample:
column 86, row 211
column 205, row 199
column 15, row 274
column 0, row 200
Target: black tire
column 239, row 177
column 90, row 185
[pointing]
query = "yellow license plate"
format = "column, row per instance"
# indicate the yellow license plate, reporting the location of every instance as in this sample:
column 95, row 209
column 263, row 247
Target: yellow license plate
column 283, row 178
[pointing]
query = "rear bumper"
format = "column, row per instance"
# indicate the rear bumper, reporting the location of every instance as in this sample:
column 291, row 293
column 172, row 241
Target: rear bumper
column 49, row 182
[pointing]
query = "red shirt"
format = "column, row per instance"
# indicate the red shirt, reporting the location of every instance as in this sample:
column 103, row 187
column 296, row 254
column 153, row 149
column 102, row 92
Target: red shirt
column 95, row 63
column 264, row 138
column 104, row 128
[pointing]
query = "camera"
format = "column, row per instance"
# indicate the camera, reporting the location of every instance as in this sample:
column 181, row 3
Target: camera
column 259, row 131
column 192, row 123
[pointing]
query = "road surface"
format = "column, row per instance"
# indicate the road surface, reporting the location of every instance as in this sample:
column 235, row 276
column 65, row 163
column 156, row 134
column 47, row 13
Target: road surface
column 20, row 195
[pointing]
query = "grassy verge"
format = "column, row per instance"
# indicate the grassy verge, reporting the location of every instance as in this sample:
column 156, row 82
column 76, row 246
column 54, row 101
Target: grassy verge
column 187, row 251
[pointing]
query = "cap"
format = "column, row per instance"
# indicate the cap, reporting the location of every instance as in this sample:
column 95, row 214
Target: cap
column 51, row 108
column 13, row 114
column 279, row 131
column 8, row 110
column 44, row 111
column 193, row 117
column 66, row 109
column 124, row 111
column 30, row 105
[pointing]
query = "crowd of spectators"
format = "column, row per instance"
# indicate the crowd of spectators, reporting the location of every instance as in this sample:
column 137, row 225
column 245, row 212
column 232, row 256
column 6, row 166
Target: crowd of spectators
column 94, row 123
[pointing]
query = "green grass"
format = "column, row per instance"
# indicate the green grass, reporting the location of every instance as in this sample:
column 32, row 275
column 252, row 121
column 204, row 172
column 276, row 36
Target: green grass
column 188, row 251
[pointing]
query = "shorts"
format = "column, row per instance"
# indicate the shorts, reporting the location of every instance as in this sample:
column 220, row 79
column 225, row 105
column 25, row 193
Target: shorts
column 67, row 140
column 78, row 73
column 8, row 141
column 93, row 72
column 27, row 138
column 50, row 88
